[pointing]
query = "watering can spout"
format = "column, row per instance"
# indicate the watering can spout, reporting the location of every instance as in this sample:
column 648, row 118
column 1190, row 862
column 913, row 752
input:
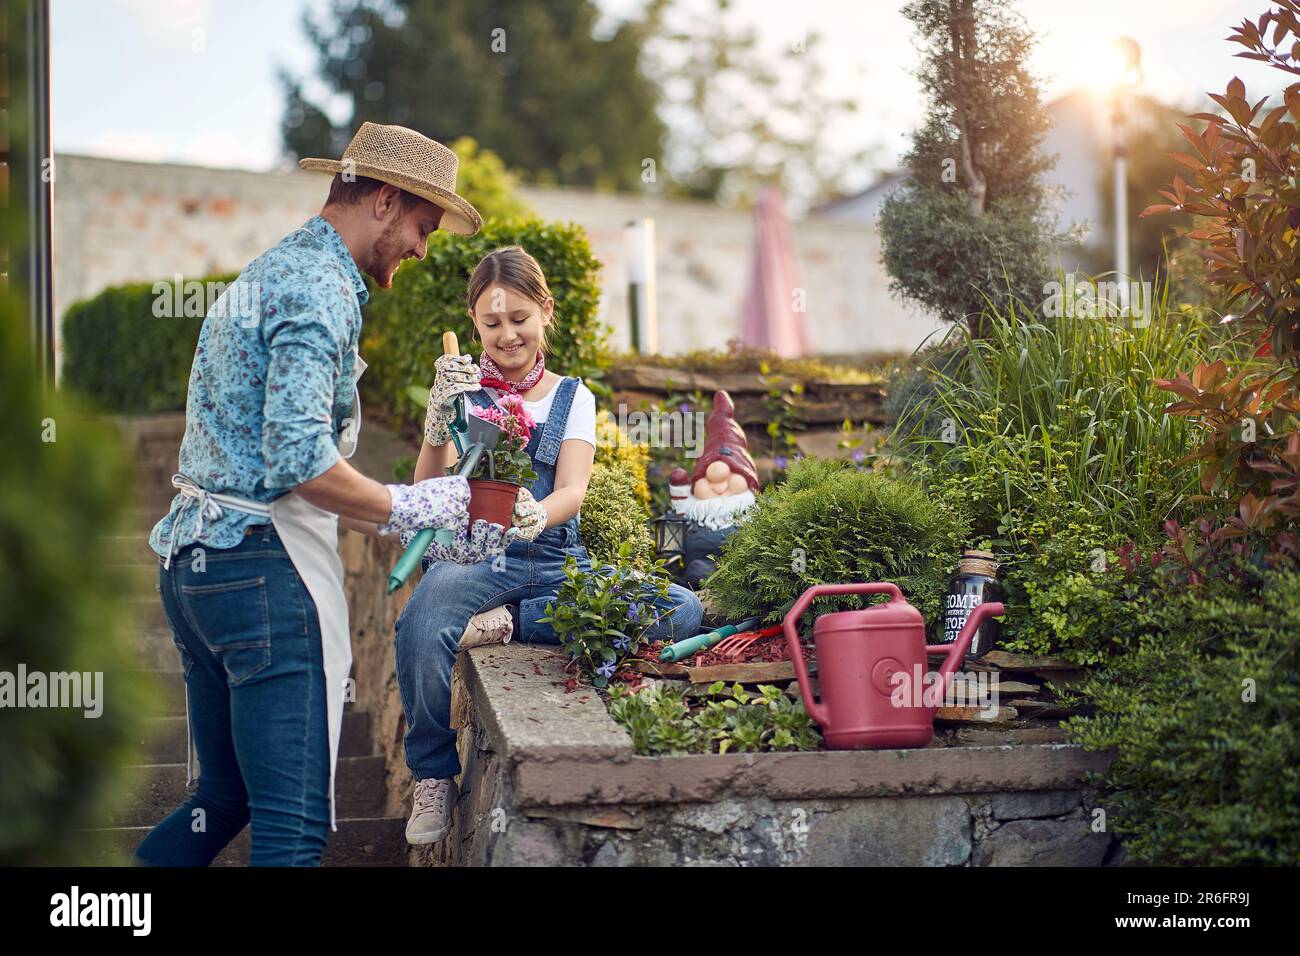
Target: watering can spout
column 955, row 652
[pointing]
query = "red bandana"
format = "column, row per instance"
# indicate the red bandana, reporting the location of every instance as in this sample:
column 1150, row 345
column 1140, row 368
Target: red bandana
column 491, row 376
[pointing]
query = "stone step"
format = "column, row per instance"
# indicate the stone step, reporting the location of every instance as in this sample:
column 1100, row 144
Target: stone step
column 371, row 841
column 158, row 789
column 154, row 648
column 163, row 738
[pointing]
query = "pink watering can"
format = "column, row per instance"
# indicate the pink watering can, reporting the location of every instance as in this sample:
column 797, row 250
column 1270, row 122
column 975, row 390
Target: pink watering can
column 871, row 668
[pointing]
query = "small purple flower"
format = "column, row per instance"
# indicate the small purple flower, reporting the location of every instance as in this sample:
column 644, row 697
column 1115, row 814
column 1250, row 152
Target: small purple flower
column 684, row 407
column 606, row 670
column 780, row 461
column 620, row 643
column 634, row 611
column 859, row 456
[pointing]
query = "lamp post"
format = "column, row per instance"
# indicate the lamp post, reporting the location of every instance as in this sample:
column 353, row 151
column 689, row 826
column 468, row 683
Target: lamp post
column 639, row 242
column 1130, row 65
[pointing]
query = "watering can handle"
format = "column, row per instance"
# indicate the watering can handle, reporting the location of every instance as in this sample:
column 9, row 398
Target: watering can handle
column 817, row 711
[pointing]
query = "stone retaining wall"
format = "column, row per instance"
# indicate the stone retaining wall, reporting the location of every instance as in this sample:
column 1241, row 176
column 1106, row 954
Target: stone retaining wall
column 549, row 778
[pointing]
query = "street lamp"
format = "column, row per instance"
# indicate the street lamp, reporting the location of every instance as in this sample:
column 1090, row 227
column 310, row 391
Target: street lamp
column 1128, row 67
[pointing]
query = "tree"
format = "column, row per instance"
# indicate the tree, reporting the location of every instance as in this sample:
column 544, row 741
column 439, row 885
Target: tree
column 973, row 218
column 530, row 81
column 738, row 117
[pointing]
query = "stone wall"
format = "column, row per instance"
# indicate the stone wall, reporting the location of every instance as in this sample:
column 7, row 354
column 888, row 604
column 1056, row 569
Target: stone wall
column 118, row 221
column 549, row 779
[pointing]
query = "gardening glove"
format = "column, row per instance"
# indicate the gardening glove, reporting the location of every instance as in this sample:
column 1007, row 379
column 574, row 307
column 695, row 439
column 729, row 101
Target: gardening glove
column 454, row 375
column 529, row 518
column 482, row 542
column 432, row 503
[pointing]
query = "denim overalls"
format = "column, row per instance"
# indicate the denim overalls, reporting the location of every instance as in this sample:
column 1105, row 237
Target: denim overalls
column 434, row 619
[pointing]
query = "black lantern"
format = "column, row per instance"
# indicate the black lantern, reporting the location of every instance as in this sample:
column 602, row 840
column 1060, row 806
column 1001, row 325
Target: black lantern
column 670, row 537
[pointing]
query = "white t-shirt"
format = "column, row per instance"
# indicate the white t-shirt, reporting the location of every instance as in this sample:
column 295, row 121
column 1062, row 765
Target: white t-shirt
column 582, row 413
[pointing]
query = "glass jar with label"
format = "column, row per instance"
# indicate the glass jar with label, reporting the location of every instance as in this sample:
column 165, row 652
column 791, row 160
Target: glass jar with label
column 975, row 582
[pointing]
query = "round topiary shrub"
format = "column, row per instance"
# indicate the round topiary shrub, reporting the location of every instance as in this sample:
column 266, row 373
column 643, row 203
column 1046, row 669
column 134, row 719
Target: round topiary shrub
column 832, row 523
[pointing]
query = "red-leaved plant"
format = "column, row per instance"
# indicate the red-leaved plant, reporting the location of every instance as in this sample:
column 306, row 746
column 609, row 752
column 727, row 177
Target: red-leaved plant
column 1244, row 188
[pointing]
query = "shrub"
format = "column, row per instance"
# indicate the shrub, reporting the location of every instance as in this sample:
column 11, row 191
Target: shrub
column 662, row 721
column 615, row 450
column 1044, row 413
column 612, row 515
column 61, row 611
column 1243, row 192
column 601, row 615
column 1203, row 715
column 831, row 523
column 402, row 333
column 124, row 358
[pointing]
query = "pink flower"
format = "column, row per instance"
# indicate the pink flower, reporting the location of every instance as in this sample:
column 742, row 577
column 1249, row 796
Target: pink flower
column 512, row 418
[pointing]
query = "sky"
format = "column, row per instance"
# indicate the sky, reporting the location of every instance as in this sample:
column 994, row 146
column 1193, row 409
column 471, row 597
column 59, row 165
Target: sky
column 196, row 80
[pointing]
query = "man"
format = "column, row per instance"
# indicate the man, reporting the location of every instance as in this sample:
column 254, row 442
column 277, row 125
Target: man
column 250, row 576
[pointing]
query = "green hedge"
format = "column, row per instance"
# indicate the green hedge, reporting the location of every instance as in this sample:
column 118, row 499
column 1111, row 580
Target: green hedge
column 122, row 357
column 402, row 334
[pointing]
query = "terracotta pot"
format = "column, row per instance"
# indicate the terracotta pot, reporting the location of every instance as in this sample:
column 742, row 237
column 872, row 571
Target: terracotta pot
column 492, row 500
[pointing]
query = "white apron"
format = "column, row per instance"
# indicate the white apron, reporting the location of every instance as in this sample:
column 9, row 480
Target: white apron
column 310, row 536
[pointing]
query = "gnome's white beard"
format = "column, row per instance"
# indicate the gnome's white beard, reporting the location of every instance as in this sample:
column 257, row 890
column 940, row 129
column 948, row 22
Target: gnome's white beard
column 715, row 513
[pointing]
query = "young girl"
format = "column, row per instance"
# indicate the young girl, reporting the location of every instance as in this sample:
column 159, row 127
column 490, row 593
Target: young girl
column 512, row 307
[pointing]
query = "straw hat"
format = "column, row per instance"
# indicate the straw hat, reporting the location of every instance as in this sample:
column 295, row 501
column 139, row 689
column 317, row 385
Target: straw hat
column 404, row 158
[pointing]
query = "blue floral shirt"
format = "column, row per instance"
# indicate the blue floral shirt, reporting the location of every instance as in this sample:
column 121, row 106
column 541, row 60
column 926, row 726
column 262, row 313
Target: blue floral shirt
column 271, row 387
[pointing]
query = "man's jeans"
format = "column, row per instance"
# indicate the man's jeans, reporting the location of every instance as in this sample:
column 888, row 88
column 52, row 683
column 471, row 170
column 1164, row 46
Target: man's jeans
column 249, row 640
column 434, row 620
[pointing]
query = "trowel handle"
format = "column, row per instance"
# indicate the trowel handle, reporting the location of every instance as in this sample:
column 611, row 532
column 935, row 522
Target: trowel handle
column 459, row 424
column 816, row 710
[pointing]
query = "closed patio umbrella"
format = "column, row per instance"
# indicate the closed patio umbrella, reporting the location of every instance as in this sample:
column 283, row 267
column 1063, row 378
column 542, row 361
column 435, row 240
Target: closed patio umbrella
column 773, row 316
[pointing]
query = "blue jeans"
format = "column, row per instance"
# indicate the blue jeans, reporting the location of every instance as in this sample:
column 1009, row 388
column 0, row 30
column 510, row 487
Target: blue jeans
column 249, row 639
column 433, row 622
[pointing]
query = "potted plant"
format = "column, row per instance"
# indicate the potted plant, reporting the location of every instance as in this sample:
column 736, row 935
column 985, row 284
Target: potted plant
column 503, row 470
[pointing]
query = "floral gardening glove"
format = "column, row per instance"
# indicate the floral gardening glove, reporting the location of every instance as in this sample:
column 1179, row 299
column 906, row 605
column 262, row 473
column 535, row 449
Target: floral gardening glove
column 432, row 503
column 480, row 543
column 529, row 518
column 454, row 375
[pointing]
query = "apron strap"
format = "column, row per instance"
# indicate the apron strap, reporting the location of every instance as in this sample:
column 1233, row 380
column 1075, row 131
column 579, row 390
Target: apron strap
column 209, row 506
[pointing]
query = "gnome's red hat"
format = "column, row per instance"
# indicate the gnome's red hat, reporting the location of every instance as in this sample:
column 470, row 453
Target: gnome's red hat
column 724, row 440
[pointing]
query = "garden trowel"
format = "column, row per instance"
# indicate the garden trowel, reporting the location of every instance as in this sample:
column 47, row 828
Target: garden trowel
column 473, row 437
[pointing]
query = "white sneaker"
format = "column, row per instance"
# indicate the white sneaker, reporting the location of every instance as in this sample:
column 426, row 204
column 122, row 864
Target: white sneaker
column 489, row 627
column 431, row 811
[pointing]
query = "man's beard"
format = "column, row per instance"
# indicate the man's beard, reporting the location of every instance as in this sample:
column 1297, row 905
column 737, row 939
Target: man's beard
column 385, row 255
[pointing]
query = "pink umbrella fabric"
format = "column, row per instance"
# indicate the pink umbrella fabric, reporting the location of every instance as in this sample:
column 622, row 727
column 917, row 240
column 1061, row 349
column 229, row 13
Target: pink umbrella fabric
column 773, row 317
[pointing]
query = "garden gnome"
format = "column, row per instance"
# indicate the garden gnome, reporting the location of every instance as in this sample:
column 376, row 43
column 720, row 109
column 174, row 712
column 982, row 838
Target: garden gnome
column 715, row 496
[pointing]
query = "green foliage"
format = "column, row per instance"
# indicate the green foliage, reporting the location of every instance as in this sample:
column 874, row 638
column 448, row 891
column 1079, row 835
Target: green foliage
column 739, row 359
column 973, row 219
column 1204, row 774
column 402, row 334
column 612, row 516
column 662, row 721
column 601, row 615
column 831, row 523
column 61, row 611
column 123, row 357
column 482, row 178
column 616, row 451
column 530, row 79
column 1050, row 414
column 744, row 118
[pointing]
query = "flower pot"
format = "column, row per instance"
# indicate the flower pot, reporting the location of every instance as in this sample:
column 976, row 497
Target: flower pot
column 492, row 500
